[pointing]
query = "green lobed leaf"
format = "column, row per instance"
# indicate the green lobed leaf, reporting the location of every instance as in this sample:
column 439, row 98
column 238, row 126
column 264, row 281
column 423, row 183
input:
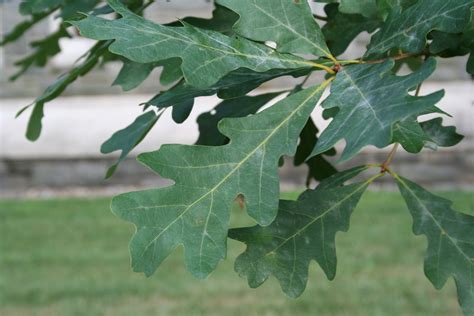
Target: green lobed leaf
column 450, row 240
column 209, row 134
column 341, row 29
column 45, row 49
column 207, row 55
column 288, row 23
column 128, row 138
column 370, row 99
column 94, row 55
column 407, row 30
column 21, row 28
column 54, row 90
column 195, row 210
column 304, row 230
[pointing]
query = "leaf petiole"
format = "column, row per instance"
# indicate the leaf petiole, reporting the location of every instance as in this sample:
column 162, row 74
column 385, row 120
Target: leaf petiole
column 375, row 177
column 388, row 161
column 350, row 61
column 328, row 69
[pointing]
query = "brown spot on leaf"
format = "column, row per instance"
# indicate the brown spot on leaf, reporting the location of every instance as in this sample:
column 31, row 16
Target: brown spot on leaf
column 241, row 200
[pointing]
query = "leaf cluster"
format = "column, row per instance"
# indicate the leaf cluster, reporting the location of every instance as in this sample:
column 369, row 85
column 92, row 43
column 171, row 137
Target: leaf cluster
column 245, row 44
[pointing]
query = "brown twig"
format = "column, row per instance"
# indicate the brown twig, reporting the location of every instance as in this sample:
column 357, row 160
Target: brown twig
column 418, row 88
column 386, row 163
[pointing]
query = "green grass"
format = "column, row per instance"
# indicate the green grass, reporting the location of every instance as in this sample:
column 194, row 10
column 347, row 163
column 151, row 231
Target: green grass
column 69, row 257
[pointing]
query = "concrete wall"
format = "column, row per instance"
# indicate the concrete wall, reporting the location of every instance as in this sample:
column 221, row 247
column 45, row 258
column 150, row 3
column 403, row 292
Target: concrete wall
column 67, row 154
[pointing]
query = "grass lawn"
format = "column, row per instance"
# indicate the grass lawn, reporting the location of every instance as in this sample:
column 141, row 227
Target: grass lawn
column 70, row 257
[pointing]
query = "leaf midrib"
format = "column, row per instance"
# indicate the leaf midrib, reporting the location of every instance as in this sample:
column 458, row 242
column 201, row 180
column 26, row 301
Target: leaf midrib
column 361, row 93
column 156, row 31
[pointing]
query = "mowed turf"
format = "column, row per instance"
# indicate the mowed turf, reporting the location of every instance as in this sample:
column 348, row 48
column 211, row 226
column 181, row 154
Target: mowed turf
column 70, row 257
